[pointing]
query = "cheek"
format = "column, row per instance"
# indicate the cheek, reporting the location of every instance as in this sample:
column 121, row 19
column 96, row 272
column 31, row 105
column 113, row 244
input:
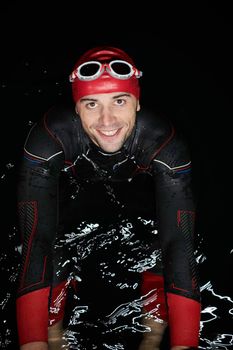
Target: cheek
column 85, row 120
column 89, row 127
column 86, row 125
column 132, row 121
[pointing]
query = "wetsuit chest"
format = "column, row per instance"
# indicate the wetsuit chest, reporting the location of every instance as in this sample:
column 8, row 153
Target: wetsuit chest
column 97, row 166
column 86, row 162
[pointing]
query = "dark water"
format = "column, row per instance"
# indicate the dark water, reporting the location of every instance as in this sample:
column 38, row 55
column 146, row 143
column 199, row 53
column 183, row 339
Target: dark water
column 189, row 79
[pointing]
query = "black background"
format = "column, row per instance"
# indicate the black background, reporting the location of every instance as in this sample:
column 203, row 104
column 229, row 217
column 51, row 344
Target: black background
column 185, row 52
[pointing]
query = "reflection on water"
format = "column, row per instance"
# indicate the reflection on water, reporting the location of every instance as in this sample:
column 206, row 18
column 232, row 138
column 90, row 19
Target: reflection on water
column 106, row 260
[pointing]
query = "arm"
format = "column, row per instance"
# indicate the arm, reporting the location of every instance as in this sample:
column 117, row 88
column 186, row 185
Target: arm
column 55, row 340
column 37, row 212
column 176, row 229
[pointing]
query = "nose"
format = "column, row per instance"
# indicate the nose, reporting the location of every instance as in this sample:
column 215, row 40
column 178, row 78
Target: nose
column 107, row 117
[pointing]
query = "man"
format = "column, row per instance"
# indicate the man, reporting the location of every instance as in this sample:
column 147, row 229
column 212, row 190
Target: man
column 105, row 138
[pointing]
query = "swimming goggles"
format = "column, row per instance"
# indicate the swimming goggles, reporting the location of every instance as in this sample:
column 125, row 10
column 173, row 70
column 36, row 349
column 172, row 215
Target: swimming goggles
column 92, row 70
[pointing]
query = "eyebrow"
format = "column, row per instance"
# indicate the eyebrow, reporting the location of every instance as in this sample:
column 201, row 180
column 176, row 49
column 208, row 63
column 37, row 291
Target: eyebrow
column 88, row 99
column 85, row 99
column 121, row 95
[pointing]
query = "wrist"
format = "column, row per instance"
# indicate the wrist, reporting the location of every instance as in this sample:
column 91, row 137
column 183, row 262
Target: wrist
column 37, row 345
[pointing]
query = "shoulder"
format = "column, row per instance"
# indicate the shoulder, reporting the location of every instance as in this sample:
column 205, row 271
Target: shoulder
column 174, row 154
column 154, row 129
column 155, row 122
column 59, row 119
column 174, row 157
column 157, row 140
column 48, row 136
column 152, row 133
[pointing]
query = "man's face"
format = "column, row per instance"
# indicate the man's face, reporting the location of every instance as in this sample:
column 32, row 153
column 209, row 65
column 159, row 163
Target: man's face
column 108, row 119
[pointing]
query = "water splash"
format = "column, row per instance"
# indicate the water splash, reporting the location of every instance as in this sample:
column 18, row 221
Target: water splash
column 120, row 256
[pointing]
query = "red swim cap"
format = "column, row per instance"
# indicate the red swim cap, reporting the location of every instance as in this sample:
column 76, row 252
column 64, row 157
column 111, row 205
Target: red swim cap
column 105, row 82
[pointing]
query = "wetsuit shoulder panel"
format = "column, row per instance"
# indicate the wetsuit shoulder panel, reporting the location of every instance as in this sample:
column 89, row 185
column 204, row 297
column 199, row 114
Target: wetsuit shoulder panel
column 64, row 125
column 174, row 156
column 151, row 134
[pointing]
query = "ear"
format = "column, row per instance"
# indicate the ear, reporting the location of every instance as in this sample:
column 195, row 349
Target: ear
column 76, row 108
column 138, row 106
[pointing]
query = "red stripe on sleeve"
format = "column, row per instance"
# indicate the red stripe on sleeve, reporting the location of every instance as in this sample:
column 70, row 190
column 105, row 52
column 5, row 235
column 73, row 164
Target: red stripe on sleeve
column 153, row 286
column 32, row 316
column 184, row 320
column 58, row 302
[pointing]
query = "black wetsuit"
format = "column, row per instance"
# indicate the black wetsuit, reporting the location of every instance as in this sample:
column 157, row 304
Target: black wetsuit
column 57, row 148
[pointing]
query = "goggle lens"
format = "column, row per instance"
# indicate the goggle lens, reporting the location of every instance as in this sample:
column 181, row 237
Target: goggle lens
column 89, row 69
column 121, row 68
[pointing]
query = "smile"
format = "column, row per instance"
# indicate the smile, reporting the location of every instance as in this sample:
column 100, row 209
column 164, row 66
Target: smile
column 109, row 132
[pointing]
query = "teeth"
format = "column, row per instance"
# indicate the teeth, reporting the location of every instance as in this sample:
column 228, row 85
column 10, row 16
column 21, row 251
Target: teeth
column 109, row 133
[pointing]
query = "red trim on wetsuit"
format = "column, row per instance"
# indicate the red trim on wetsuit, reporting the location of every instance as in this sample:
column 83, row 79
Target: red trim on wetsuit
column 152, row 281
column 32, row 316
column 184, row 320
column 58, row 302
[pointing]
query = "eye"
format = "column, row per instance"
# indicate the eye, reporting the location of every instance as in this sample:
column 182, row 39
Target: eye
column 119, row 102
column 91, row 105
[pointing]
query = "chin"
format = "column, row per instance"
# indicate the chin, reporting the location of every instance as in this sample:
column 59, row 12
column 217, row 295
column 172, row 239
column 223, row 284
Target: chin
column 110, row 148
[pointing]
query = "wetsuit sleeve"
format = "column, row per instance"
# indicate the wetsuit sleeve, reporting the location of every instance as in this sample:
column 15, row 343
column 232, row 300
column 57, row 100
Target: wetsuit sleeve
column 176, row 216
column 37, row 212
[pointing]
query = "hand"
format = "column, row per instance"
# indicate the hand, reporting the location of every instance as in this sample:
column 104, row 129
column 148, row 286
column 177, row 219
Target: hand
column 56, row 338
column 37, row 345
column 152, row 339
